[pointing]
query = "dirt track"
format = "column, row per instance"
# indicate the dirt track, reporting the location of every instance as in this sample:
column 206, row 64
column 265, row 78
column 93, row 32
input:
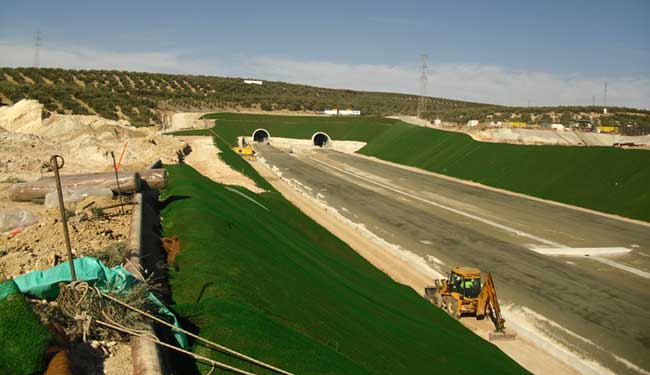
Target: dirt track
column 204, row 157
column 574, row 292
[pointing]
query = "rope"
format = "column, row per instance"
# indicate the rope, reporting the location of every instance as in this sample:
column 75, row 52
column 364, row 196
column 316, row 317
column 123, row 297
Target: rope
column 198, row 357
column 76, row 300
column 213, row 344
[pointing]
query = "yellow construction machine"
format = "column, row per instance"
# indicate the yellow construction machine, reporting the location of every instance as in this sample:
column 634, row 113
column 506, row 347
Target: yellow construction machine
column 461, row 294
column 244, row 149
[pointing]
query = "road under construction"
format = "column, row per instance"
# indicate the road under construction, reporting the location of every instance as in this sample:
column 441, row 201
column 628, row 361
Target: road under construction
column 580, row 279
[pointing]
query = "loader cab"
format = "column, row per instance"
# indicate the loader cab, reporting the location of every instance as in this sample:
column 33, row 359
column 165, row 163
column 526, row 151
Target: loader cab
column 465, row 281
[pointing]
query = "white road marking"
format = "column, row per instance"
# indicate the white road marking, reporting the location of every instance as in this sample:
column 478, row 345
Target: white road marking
column 580, row 251
column 483, row 220
column 623, row 267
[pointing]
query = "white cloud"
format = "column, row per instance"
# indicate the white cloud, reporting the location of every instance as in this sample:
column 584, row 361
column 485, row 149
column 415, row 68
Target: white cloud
column 473, row 82
column 88, row 58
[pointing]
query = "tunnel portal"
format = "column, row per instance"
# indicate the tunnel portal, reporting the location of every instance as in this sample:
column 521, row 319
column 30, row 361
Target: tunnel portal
column 321, row 139
column 261, row 136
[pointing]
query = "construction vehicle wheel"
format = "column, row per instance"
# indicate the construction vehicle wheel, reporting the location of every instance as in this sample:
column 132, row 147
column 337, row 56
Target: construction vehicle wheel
column 437, row 300
column 451, row 307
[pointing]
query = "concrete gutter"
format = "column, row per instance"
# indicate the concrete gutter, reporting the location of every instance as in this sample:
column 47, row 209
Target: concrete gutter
column 146, row 355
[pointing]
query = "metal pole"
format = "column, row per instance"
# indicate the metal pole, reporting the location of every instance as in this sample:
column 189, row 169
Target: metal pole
column 117, row 181
column 64, row 218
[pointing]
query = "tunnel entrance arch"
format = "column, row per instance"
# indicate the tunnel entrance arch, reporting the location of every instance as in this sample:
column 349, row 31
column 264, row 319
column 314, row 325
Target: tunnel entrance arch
column 261, row 136
column 321, row 139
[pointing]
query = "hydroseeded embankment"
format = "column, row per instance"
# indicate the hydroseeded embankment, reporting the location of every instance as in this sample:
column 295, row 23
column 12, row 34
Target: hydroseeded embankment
column 256, row 274
column 606, row 179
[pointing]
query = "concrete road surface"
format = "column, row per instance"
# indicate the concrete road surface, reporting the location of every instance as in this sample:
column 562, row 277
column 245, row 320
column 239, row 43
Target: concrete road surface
column 598, row 306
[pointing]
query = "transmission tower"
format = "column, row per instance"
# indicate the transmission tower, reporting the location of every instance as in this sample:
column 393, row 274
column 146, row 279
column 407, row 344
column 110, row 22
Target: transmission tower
column 422, row 101
column 37, row 48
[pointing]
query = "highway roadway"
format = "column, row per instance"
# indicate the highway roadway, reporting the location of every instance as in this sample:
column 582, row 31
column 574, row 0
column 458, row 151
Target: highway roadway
column 598, row 306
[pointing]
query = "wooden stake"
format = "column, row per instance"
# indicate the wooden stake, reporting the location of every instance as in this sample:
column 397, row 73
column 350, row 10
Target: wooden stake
column 64, row 217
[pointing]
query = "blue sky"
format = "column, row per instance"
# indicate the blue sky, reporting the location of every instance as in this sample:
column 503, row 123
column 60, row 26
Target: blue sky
column 504, row 52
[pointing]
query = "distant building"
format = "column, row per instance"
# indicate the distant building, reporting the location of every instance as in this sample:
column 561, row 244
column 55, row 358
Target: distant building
column 495, row 124
column 349, row 112
column 472, row 123
column 252, row 82
column 437, row 122
column 558, row 127
column 342, row 112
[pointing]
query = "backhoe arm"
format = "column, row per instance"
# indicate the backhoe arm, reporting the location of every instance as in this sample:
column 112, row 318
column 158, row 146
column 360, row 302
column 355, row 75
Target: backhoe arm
column 488, row 303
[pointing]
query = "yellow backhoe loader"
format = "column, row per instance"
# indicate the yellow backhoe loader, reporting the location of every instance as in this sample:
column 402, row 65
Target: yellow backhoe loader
column 244, row 149
column 462, row 294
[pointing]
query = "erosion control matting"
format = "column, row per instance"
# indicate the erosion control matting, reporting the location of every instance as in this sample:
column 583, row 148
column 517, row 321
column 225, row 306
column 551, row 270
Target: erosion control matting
column 24, row 338
column 266, row 280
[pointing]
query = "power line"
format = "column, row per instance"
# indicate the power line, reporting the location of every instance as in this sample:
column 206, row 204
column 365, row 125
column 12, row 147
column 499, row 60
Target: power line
column 37, row 48
column 422, row 101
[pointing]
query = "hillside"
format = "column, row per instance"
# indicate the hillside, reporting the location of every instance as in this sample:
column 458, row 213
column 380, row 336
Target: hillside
column 606, row 179
column 142, row 98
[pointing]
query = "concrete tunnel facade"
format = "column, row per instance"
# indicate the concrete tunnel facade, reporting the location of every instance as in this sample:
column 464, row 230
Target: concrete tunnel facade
column 261, row 135
column 321, row 139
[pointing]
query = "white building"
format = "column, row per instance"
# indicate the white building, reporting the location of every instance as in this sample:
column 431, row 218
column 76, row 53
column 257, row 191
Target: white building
column 437, row 122
column 558, row 127
column 252, row 82
column 342, row 112
column 472, row 123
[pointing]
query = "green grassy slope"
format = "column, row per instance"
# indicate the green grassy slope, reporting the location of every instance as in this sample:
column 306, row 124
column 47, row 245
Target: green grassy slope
column 278, row 286
column 24, row 338
column 606, row 179
column 602, row 178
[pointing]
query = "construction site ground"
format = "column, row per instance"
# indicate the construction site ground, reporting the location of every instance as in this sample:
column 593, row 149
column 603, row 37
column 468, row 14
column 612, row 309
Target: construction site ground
column 568, row 305
column 587, row 311
column 27, row 141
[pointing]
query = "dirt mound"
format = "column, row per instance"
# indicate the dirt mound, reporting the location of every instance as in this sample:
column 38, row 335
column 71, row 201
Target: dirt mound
column 22, row 117
column 84, row 141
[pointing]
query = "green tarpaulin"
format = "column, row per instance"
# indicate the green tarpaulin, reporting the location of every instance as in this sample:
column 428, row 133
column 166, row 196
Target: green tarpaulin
column 45, row 284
